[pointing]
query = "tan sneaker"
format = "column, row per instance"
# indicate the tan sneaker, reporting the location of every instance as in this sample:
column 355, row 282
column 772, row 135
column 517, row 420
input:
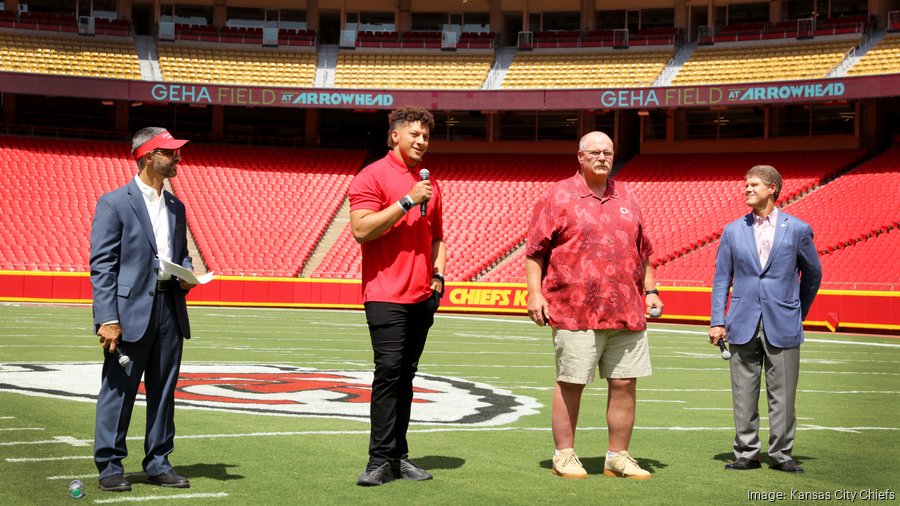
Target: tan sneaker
column 567, row 465
column 623, row 466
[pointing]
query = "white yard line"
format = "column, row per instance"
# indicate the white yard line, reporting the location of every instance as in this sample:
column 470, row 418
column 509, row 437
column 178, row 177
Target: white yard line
column 444, row 429
column 113, row 500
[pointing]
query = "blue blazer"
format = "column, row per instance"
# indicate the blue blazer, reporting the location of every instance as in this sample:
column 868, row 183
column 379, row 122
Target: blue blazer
column 124, row 260
column 781, row 291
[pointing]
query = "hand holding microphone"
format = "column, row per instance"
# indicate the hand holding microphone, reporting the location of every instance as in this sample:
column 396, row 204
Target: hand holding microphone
column 717, row 336
column 110, row 337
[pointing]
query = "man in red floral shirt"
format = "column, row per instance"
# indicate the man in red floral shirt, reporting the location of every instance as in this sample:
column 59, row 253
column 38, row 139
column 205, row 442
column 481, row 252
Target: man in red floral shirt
column 589, row 278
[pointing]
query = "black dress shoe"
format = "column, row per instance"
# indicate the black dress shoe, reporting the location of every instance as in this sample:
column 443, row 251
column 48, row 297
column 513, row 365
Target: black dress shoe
column 115, row 483
column 743, row 464
column 376, row 474
column 170, row 479
column 409, row 470
column 788, row 466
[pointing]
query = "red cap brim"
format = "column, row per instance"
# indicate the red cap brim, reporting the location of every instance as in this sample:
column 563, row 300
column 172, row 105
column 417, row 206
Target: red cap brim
column 163, row 140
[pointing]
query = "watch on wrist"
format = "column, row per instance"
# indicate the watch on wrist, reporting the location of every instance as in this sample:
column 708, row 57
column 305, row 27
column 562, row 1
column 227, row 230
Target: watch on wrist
column 651, row 292
column 438, row 275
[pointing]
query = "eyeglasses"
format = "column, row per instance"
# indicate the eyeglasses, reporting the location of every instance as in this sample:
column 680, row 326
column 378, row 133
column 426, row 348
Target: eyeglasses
column 171, row 153
column 593, row 155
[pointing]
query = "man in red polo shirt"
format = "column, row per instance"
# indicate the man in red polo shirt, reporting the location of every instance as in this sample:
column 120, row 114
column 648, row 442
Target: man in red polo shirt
column 589, row 277
column 395, row 214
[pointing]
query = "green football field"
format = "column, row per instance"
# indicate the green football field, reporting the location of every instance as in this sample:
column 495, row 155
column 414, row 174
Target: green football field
column 272, row 409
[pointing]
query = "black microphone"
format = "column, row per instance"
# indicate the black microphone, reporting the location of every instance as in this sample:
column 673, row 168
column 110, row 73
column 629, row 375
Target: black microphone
column 424, row 175
column 725, row 353
column 124, row 359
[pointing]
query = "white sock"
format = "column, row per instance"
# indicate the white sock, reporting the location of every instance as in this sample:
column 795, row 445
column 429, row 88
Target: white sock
column 556, row 452
column 610, row 454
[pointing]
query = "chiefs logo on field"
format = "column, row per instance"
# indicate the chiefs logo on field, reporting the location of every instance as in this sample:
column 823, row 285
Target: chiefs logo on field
column 286, row 391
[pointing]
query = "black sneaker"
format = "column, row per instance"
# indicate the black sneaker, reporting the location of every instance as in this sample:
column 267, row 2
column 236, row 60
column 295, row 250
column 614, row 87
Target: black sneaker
column 115, row 483
column 409, row 470
column 375, row 475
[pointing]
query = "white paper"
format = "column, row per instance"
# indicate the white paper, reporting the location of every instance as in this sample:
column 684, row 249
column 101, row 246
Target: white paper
column 184, row 274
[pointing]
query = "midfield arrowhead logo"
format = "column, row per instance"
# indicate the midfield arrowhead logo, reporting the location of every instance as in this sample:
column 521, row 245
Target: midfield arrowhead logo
column 285, row 391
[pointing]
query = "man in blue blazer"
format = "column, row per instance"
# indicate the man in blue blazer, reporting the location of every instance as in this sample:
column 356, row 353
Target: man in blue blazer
column 769, row 259
column 140, row 310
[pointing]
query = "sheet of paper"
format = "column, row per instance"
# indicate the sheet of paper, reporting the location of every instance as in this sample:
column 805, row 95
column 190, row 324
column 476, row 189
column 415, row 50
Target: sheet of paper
column 184, row 274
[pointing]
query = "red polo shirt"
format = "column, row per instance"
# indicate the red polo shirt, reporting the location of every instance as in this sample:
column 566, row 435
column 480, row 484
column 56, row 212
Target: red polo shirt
column 593, row 250
column 397, row 266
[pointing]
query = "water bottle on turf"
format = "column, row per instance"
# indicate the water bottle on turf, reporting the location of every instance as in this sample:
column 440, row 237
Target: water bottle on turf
column 76, row 489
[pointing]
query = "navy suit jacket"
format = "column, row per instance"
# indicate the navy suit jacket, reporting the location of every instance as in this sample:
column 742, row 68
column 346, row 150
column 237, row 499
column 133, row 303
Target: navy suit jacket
column 781, row 291
column 124, row 260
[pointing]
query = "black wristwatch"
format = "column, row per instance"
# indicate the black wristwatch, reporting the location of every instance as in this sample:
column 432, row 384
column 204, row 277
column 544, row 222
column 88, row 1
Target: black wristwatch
column 406, row 203
column 438, row 275
column 651, row 292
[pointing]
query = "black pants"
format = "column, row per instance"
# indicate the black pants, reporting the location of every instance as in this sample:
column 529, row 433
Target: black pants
column 398, row 333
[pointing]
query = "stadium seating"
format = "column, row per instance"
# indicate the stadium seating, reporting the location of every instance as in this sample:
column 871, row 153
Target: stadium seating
column 585, row 70
column 253, row 211
column 713, row 187
column 68, row 55
column 48, row 189
column 884, row 58
column 758, row 62
column 510, row 270
column 867, row 264
column 487, row 203
column 260, row 67
column 411, row 70
column 261, row 211
column 687, row 199
column 476, row 40
column 857, row 204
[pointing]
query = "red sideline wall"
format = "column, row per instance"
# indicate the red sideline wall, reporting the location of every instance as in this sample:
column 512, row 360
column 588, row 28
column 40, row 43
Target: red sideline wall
column 846, row 310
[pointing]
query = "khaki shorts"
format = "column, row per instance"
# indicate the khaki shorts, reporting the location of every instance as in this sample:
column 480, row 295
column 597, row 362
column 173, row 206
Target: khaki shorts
column 619, row 354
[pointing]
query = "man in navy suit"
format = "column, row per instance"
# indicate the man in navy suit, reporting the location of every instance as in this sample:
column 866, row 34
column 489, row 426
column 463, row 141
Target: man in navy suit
column 769, row 259
column 140, row 309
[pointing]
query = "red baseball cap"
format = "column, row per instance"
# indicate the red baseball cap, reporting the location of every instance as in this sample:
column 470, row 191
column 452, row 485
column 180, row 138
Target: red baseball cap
column 163, row 140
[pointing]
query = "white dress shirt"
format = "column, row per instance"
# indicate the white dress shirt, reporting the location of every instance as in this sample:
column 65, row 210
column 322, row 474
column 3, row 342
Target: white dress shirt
column 159, row 220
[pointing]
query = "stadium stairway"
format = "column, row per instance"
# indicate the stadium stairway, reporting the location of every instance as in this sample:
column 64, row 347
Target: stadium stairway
column 864, row 47
column 326, row 65
column 340, row 221
column 503, row 57
column 148, row 58
column 682, row 55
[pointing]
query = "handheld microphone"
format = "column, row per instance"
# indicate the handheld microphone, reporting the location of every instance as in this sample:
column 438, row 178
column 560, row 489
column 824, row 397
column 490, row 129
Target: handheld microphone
column 124, row 359
column 725, row 353
column 424, row 175
column 655, row 312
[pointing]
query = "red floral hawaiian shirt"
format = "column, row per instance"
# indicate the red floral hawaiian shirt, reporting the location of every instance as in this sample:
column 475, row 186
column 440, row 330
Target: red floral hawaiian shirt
column 594, row 250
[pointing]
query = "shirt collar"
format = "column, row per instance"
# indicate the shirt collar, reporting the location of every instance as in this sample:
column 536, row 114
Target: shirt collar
column 397, row 163
column 584, row 191
column 772, row 217
column 149, row 192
